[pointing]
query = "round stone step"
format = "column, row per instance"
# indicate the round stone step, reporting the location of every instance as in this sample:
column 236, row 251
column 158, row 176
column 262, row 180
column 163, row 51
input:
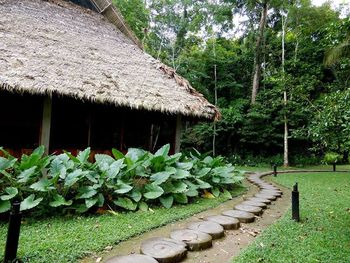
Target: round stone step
column 242, row 216
column 211, row 228
column 194, row 240
column 272, row 192
column 135, row 258
column 261, row 200
column 164, row 250
column 269, row 187
column 227, row 222
column 267, row 196
column 254, row 203
column 251, row 209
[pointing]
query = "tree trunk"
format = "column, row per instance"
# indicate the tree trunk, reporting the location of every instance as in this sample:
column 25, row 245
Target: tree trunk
column 215, row 97
column 257, row 59
column 285, row 99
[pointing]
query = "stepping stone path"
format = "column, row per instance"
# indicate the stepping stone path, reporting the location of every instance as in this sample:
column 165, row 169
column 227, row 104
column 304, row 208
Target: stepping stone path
column 194, row 240
column 199, row 235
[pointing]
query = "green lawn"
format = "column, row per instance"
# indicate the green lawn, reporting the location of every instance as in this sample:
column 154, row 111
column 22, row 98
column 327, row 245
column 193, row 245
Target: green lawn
column 324, row 233
column 65, row 239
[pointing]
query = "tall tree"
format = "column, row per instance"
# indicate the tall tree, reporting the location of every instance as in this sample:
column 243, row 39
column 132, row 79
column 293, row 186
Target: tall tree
column 258, row 51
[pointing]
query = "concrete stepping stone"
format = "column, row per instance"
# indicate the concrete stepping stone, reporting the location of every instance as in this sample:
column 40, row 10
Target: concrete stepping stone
column 242, row 216
column 211, row 228
column 194, row 240
column 254, row 203
column 164, row 250
column 261, row 200
column 251, row 209
column 276, row 193
column 135, row 258
column 269, row 187
column 227, row 222
column 267, row 196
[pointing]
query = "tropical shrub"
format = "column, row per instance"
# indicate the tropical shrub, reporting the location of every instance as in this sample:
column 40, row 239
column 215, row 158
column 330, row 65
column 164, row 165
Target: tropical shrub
column 332, row 158
column 67, row 183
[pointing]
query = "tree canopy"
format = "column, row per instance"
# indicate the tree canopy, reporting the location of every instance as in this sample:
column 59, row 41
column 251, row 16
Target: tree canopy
column 214, row 44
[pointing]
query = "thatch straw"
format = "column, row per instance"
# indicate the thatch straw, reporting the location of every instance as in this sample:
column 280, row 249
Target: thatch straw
column 61, row 48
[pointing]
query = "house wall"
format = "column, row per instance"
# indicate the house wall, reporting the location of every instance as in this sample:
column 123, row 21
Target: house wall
column 72, row 125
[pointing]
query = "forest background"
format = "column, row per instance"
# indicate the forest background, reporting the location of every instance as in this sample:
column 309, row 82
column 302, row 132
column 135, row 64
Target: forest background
column 278, row 70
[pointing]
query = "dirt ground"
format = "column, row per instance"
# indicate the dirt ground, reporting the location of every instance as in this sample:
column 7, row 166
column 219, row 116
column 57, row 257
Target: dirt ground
column 223, row 249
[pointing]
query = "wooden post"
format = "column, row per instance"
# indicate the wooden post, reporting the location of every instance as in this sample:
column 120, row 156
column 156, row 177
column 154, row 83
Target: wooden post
column 46, row 124
column 178, row 134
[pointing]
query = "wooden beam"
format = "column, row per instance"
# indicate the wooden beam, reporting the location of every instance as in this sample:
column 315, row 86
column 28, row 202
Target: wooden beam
column 46, row 124
column 178, row 132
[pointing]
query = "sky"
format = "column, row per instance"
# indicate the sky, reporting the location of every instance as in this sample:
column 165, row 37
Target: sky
column 335, row 2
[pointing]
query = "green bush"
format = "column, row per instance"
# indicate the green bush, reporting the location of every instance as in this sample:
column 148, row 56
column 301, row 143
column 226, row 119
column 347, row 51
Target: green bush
column 332, row 158
column 131, row 181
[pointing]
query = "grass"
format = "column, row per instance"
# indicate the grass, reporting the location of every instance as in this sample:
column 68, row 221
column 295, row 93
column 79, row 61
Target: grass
column 323, row 235
column 66, row 239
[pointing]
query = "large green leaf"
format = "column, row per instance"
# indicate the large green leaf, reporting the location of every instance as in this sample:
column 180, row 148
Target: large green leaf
column 179, row 187
column 173, row 158
column 73, row 177
column 117, row 154
column 161, row 177
column 115, row 168
column 153, row 191
column 203, row 172
column 83, row 156
column 5, row 205
column 30, row 202
column 181, row 198
column 163, row 151
column 86, row 192
column 59, row 200
column 11, row 193
column 32, row 160
column 180, row 174
column 123, row 188
column 91, row 201
column 6, row 163
column 43, row 185
column 57, row 167
column 227, row 194
column 202, row 184
column 215, row 191
column 167, row 201
column 158, row 163
column 184, row 165
column 27, row 174
column 126, row 203
column 103, row 161
column 136, row 154
column 143, row 206
column 136, row 195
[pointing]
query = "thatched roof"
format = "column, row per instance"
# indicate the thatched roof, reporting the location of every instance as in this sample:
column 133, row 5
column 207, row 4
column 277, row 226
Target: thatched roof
column 55, row 47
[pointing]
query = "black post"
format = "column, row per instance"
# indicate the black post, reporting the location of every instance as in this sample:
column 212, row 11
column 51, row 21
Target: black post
column 334, row 167
column 295, row 203
column 13, row 233
column 275, row 170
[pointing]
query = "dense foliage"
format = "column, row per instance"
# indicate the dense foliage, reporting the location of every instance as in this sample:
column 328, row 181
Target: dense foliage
column 131, row 181
column 201, row 38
